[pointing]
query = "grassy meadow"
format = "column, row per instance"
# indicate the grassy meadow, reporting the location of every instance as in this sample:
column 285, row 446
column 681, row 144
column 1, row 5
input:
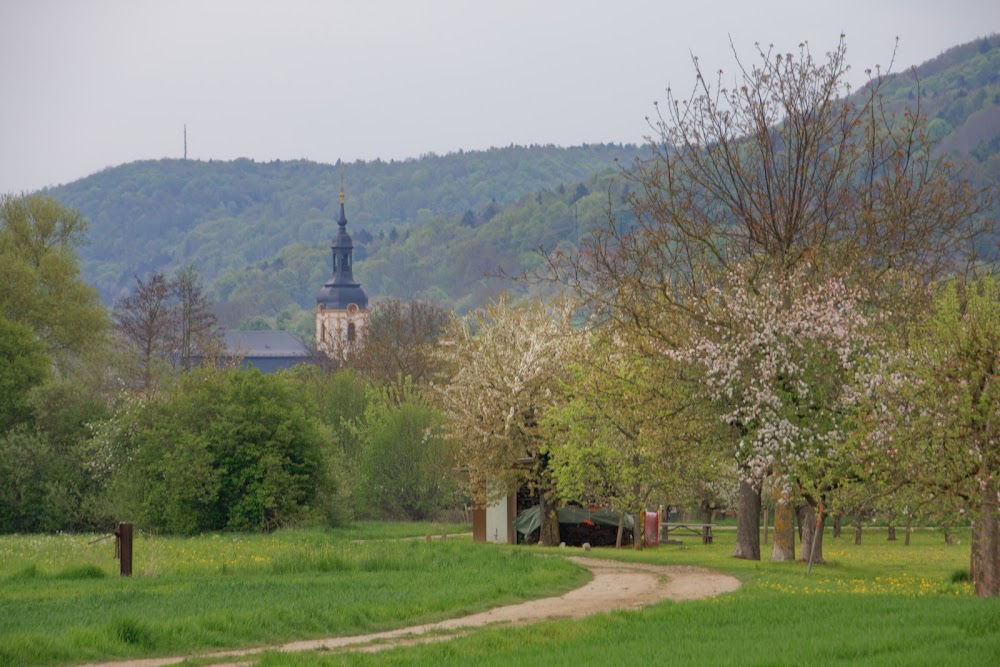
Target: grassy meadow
column 61, row 601
column 880, row 603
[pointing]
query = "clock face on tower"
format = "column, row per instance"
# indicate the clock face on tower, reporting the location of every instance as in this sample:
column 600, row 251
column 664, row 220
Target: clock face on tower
column 352, row 308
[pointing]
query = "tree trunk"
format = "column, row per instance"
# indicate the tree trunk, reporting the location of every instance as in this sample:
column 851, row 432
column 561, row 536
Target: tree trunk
column 784, row 526
column 639, row 528
column 947, row 536
column 812, row 539
column 857, row 532
column 909, row 529
column 984, row 565
column 621, row 529
column 892, row 533
column 548, row 517
column 748, row 523
column 766, row 512
column 837, row 527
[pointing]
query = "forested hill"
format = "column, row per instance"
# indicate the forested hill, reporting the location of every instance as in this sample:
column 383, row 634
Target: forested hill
column 959, row 91
column 226, row 216
column 425, row 228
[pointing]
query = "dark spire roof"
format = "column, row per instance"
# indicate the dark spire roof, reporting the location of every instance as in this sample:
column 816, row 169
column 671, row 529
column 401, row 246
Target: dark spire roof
column 341, row 290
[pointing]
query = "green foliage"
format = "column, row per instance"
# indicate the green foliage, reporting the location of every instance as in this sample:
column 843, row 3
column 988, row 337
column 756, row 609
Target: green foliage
column 338, row 400
column 45, row 483
column 23, row 365
column 25, row 460
column 221, row 449
column 251, row 220
column 616, row 436
column 932, row 427
column 39, row 272
column 407, row 465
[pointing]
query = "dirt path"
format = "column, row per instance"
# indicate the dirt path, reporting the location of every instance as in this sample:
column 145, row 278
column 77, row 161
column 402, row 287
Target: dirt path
column 615, row 585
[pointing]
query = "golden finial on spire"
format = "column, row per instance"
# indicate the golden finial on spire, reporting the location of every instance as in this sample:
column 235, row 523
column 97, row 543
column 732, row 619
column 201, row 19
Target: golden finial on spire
column 341, row 181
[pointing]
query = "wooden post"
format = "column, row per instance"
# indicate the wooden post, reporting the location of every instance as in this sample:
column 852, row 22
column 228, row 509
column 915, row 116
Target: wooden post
column 123, row 548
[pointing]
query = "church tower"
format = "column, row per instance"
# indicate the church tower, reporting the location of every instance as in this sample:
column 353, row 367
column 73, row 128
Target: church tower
column 341, row 304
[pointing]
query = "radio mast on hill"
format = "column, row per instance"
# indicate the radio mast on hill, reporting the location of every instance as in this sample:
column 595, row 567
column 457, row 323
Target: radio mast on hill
column 185, row 141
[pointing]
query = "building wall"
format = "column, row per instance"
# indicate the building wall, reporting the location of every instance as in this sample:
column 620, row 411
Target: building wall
column 500, row 520
column 332, row 328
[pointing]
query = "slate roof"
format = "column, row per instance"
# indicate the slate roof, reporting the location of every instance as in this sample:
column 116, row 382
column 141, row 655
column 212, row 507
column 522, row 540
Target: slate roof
column 341, row 290
column 261, row 344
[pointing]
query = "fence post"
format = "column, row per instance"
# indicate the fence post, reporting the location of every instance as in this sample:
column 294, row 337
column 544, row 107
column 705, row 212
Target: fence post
column 123, row 548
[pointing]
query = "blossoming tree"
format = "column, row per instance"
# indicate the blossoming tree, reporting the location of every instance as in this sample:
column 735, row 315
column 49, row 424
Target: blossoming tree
column 504, row 364
column 933, row 423
column 780, row 166
column 778, row 359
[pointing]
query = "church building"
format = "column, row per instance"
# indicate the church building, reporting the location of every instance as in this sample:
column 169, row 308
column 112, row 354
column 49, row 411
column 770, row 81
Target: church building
column 341, row 304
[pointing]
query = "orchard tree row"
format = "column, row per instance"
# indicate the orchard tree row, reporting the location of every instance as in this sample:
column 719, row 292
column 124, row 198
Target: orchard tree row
column 798, row 304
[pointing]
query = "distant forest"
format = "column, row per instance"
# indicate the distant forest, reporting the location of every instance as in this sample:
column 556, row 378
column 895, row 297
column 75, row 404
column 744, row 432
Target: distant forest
column 436, row 228
column 258, row 233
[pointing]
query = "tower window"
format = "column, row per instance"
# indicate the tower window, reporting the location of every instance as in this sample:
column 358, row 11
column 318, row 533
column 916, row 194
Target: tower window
column 351, row 332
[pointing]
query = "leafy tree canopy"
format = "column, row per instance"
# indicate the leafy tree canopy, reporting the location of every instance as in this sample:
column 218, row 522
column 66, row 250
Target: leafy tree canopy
column 220, row 449
column 39, row 271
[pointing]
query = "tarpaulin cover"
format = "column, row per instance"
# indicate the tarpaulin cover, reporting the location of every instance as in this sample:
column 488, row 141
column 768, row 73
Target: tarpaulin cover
column 527, row 521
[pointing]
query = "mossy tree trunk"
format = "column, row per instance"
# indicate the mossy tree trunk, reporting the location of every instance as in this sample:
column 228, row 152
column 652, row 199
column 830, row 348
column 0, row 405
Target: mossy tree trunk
column 748, row 523
column 985, row 562
column 783, row 548
column 812, row 534
column 548, row 516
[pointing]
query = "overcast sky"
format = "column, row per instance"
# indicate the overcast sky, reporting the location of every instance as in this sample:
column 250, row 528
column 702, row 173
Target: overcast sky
column 91, row 84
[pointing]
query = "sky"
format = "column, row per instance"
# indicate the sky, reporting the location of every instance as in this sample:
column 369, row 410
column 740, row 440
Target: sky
column 90, row 84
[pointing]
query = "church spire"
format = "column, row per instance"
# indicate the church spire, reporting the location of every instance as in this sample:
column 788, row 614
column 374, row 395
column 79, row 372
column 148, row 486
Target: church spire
column 343, row 218
column 341, row 289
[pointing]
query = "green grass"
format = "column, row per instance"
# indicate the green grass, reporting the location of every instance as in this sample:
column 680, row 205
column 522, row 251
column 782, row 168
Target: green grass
column 156, row 555
column 386, row 530
column 60, row 604
column 744, row 628
column 880, row 603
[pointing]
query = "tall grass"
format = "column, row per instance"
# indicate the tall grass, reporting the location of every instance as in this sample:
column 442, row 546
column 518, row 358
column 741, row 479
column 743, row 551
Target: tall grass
column 875, row 604
column 59, row 604
column 156, row 554
column 880, row 603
